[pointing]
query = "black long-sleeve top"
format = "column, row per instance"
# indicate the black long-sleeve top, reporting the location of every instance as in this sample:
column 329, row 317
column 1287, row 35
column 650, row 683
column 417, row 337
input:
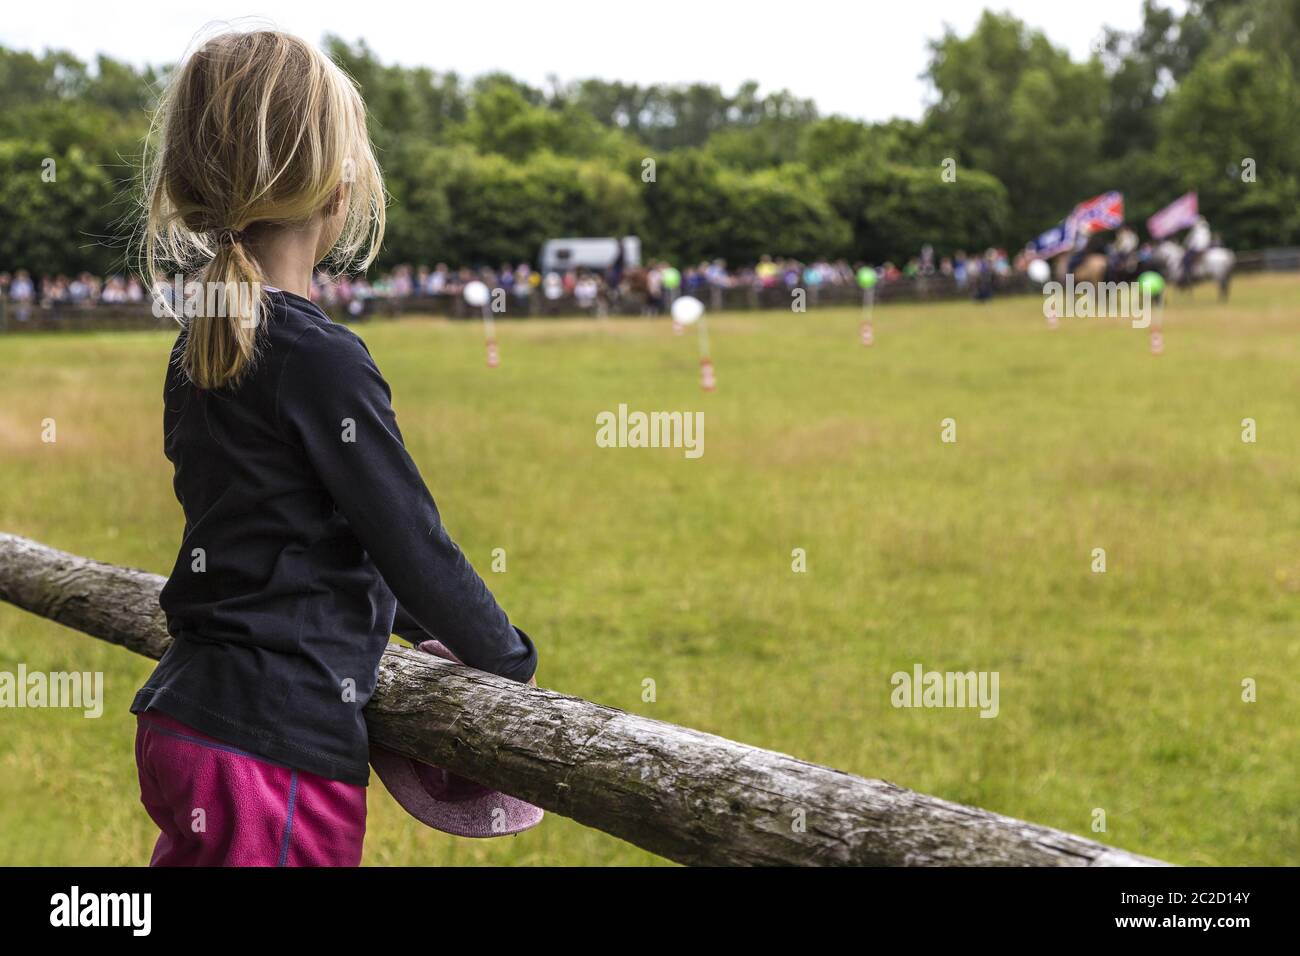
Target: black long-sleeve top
column 309, row 534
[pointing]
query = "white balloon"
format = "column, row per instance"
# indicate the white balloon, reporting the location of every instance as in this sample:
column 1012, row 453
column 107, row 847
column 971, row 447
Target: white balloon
column 687, row 310
column 1039, row 271
column 476, row 294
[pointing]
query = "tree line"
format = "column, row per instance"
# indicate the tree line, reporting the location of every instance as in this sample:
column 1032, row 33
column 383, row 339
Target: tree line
column 483, row 170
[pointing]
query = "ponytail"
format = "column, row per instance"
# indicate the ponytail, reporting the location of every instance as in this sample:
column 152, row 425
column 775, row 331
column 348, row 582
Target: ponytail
column 221, row 344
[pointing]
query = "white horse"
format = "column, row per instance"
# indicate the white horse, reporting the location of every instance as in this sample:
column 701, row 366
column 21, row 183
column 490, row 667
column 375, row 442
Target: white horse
column 1215, row 264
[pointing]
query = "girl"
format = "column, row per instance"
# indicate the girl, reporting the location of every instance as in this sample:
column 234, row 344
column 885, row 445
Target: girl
column 309, row 535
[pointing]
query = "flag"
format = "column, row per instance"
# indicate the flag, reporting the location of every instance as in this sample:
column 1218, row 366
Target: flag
column 1054, row 241
column 1098, row 213
column 1179, row 214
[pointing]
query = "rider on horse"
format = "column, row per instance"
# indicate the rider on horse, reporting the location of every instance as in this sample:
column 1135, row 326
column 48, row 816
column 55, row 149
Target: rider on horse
column 1199, row 239
column 1121, row 263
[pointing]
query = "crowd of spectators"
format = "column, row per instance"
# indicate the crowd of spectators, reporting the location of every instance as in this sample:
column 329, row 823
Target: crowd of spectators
column 81, row 289
column 651, row 286
column 657, row 281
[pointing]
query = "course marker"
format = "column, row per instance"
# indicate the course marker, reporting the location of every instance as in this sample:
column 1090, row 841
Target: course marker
column 477, row 296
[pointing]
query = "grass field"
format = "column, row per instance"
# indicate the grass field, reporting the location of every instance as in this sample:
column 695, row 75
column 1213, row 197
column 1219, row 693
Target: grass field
column 1119, row 691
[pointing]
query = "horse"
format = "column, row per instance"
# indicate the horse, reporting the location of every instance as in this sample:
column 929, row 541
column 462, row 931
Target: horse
column 635, row 288
column 1116, row 262
column 1094, row 268
column 1215, row 264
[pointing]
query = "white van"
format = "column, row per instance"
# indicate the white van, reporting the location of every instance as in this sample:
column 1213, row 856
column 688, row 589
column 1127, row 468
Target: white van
column 561, row 255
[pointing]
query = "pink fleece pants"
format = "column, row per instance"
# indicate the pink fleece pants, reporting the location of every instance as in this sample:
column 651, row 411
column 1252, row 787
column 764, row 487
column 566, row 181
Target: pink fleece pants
column 218, row 805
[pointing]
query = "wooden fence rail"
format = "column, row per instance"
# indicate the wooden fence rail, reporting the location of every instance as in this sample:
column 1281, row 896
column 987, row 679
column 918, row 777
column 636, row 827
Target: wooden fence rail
column 689, row 796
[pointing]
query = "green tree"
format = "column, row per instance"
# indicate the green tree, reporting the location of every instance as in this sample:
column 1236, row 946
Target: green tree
column 699, row 209
column 1013, row 105
column 460, row 206
column 892, row 210
column 1234, row 115
column 55, row 210
column 781, row 212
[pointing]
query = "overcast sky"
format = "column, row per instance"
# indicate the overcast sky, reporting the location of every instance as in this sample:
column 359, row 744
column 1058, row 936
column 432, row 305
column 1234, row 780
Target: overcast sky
column 859, row 58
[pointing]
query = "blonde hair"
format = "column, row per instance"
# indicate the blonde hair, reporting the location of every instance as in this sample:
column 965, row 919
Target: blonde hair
column 254, row 128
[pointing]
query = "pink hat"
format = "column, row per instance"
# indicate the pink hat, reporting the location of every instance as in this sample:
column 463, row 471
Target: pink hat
column 445, row 801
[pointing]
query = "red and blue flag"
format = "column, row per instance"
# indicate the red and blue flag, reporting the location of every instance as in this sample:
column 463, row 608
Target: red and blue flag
column 1098, row 214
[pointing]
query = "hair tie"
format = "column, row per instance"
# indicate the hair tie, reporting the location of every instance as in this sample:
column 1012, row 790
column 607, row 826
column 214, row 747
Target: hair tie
column 228, row 237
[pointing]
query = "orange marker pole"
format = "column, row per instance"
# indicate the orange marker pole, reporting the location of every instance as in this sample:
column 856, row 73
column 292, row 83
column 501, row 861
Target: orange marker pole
column 1157, row 333
column 490, row 335
column 708, row 380
column 867, row 333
